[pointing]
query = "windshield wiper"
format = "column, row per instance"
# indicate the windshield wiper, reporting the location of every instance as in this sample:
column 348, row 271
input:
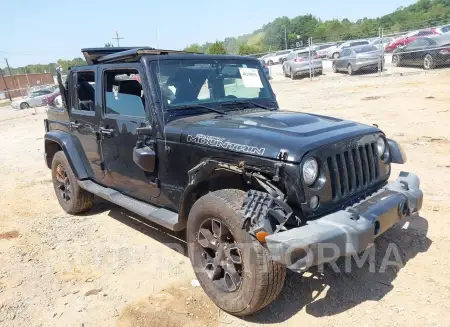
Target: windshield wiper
column 255, row 104
column 194, row 106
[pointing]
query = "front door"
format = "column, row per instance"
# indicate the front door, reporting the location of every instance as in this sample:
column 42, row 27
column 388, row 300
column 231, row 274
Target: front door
column 123, row 112
column 84, row 120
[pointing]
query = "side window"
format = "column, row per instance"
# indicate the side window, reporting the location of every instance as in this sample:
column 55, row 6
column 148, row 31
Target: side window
column 123, row 93
column 84, row 97
column 413, row 44
column 345, row 53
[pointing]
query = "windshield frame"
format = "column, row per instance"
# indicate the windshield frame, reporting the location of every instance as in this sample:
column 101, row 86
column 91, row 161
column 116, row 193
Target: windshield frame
column 153, row 67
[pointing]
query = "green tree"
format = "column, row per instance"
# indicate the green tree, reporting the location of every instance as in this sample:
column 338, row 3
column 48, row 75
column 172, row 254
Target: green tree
column 216, row 48
column 109, row 45
column 245, row 49
column 66, row 64
column 193, row 48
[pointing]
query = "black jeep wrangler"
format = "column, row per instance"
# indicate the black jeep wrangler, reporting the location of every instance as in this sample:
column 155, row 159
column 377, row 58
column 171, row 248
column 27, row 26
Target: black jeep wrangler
column 197, row 142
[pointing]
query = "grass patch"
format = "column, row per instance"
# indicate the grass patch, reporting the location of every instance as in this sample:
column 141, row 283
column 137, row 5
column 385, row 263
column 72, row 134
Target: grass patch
column 4, row 104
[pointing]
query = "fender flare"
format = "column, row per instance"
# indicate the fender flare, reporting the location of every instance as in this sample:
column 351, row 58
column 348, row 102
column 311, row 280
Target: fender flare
column 72, row 149
column 198, row 174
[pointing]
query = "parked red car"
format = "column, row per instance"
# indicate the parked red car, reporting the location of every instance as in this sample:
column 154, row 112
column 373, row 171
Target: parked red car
column 48, row 100
column 404, row 40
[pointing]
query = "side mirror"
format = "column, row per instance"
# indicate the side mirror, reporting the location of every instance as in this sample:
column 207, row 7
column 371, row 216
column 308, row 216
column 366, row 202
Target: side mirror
column 145, row 158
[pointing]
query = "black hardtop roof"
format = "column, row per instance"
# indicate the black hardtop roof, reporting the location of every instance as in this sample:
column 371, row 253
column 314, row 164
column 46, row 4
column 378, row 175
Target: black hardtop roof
column 133, row 54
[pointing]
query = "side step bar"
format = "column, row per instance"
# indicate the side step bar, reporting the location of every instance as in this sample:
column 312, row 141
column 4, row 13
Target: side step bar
column 161, row 216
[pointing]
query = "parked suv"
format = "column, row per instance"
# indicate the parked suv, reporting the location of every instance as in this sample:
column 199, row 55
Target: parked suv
column 198, row 143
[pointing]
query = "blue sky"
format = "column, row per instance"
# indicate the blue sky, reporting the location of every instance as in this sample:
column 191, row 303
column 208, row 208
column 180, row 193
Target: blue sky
column 42, row 31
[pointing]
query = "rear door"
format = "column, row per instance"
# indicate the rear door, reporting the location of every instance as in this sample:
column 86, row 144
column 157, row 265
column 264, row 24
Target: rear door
column 123, row 112
column 84, row 119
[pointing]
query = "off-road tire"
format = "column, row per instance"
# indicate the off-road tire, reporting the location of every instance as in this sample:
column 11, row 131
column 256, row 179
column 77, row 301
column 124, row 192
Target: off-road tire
column 24, row 105
column 262, row 279
column 81, row 200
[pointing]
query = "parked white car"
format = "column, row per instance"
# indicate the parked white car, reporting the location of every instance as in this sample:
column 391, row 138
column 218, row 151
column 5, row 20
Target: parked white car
column 443, row 29
column 275, row 59
column 33, row 100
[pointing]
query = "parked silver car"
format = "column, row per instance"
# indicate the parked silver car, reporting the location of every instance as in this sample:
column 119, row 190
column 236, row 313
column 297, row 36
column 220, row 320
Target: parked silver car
column 334, row 52
column 301, row 62
column 34, row 99
column 359, row 58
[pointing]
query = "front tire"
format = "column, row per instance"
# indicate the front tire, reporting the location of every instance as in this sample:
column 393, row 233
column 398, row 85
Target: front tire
column 396, row 61
column 233, row 268
column 333, row 66
column 428, row 62
column 72, row 198
column 336, row 55
column 350, row 69
column 24, row 105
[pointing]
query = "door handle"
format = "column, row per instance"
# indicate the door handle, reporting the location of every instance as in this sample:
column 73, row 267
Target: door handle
column 106, row 131
column 74, row 125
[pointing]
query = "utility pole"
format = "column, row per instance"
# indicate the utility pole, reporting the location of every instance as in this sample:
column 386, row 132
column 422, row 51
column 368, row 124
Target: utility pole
column 117, row 38
column 6, row 85
column 12, row 77
column 285, row 38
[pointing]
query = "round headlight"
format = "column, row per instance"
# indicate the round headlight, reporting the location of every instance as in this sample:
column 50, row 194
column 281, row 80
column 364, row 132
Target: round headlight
column 381, row 146
column 310, row 171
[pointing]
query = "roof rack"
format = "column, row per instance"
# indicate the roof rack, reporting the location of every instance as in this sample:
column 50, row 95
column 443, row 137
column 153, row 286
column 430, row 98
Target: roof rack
column 121, row 54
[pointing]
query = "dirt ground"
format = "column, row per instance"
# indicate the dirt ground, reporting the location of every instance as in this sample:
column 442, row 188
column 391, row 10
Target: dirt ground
column 104, row 268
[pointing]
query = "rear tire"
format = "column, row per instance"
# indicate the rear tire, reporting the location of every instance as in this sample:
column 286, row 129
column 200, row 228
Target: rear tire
column 215, row 220
column 72, row 198
column 24, row 105
column 292, row 74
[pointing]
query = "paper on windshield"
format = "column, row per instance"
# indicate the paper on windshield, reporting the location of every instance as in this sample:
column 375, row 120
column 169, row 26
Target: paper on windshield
column 250, row 77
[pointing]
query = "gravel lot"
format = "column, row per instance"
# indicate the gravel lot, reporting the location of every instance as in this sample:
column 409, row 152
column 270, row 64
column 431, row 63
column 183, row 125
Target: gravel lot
column 107, row 269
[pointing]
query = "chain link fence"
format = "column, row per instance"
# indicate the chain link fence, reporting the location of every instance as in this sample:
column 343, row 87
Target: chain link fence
column 375, row 55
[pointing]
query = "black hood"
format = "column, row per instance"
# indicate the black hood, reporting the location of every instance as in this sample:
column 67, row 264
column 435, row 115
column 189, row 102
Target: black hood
column 264, row 133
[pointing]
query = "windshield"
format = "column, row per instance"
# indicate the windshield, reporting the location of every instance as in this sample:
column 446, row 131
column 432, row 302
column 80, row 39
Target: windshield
column 210, row 81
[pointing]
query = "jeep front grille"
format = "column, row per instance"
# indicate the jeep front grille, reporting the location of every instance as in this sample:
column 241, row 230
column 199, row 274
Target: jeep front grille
column 353, row 170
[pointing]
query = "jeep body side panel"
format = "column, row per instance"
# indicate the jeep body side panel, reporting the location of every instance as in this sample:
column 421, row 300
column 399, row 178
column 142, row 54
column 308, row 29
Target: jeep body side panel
column 181, row 158
column 73, row 151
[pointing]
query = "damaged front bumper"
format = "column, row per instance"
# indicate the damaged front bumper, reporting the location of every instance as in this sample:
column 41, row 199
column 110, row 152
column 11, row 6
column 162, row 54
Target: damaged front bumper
column 348, row 231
